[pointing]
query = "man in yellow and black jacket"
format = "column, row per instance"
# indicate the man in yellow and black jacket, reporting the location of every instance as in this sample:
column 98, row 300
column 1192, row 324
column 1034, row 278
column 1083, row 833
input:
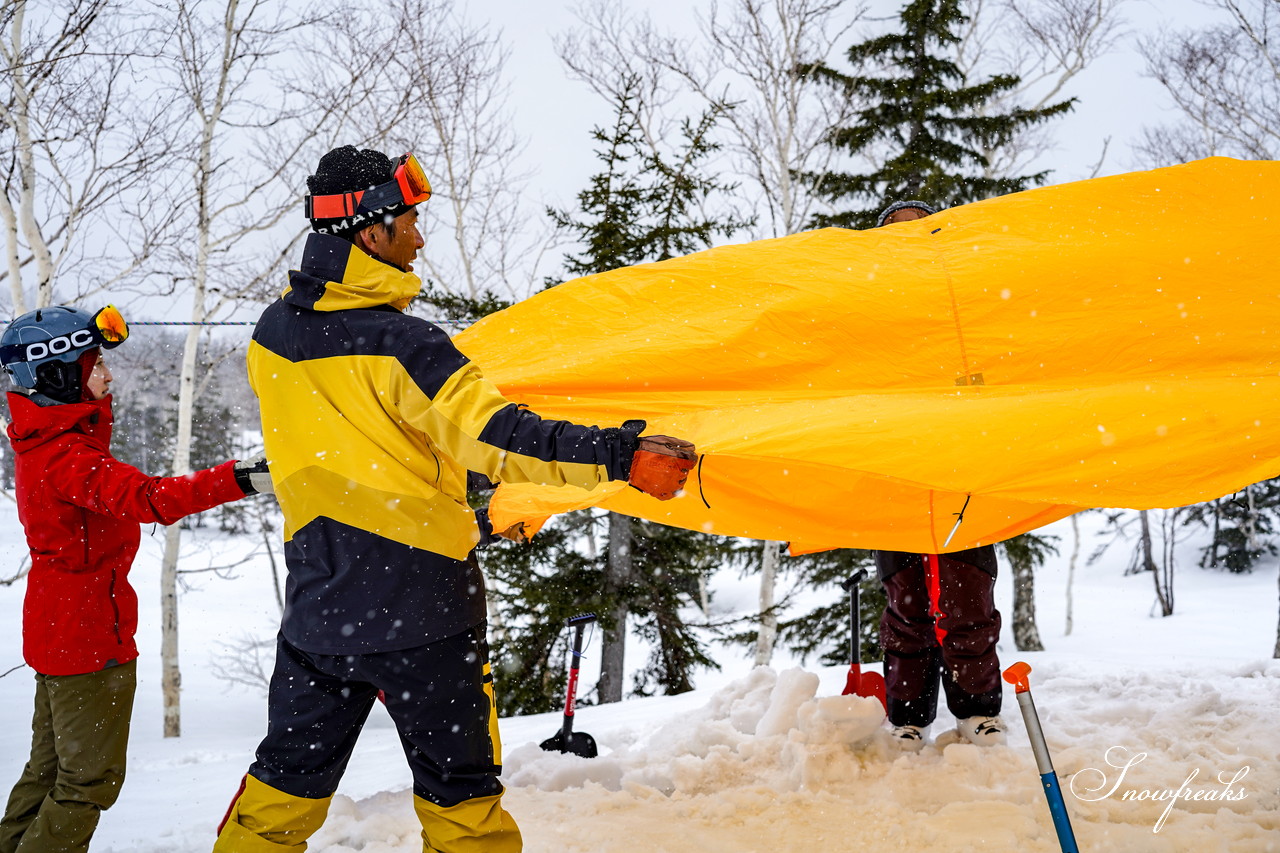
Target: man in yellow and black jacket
column 371, row 420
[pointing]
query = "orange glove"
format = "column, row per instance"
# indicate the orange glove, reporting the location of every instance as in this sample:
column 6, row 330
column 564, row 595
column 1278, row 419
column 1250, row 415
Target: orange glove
column 661, row 465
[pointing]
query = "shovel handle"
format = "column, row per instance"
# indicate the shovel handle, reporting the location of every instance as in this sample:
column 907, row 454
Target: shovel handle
column 855, row 615
column 579, row 624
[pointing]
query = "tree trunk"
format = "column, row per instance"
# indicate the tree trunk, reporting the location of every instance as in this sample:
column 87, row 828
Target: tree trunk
column 19, row 121
column 266, row 530
column 171, row 682
column 617, row 577
column 1026, row 636
column 769, row 552
column 1276, row 653
column 1071, row 572
column 1163, row 596
column 1250, row 523
column 6, row 459
column 171, row 674
column 26, row 169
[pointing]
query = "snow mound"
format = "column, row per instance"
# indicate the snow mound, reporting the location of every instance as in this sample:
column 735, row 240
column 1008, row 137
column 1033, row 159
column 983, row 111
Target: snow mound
column 767, row 726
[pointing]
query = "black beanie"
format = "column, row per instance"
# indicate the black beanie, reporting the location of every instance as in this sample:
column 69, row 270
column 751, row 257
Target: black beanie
column 346, row 170
column 903, row 205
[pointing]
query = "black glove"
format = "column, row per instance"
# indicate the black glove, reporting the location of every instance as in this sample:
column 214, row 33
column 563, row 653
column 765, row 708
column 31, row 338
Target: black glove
column 488, row 536
column 253, row 476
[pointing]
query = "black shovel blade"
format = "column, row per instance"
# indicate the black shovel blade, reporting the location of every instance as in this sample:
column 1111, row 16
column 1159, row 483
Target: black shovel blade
column 579, row 743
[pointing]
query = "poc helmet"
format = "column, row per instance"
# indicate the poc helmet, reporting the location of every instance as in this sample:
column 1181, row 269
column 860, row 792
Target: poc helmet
column 40, row 349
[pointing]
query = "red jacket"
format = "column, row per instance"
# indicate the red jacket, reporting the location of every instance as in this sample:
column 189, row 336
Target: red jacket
column 81, row 509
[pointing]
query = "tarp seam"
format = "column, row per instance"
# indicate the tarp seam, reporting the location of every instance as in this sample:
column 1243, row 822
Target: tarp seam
column 955, row 313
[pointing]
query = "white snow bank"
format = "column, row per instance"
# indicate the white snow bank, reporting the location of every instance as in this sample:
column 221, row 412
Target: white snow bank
column 766, row 729
column 775, row 762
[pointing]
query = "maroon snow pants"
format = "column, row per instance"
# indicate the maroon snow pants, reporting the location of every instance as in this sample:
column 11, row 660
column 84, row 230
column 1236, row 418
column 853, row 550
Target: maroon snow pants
column 957, row 647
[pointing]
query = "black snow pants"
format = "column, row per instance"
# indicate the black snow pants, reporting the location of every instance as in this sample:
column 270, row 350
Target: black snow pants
column 940, row 625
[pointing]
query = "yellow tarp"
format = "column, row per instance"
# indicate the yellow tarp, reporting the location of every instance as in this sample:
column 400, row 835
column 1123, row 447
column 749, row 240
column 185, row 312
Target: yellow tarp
column 1113, row 342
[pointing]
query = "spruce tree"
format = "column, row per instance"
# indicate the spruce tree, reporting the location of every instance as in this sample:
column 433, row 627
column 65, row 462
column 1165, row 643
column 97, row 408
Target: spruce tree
column 644, row 206
column 926, row 124
column 641, row 206
column 1241, row 527
column 1024, row 554
column 536, row 587
column 825, row 631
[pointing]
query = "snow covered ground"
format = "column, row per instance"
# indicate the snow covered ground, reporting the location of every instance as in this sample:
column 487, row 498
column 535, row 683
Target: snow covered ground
column 771, row 759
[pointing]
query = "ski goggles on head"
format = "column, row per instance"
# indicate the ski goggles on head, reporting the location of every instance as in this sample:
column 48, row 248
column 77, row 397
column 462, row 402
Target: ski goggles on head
column 110, row 326
column 408, row 186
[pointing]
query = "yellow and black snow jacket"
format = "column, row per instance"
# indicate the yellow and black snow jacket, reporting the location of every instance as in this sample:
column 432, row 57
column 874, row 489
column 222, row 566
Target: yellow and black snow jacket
column 372, row 419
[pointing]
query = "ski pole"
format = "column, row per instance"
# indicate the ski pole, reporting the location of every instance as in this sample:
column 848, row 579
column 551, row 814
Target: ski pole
column 1017, row 676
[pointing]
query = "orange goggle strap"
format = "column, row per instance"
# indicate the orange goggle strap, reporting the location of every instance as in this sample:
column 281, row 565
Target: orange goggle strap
column 333, row 206
column 409, row 186
column 110, row 326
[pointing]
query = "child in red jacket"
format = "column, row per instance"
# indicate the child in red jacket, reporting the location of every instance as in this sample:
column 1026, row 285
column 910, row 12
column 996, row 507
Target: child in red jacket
column 81, row 510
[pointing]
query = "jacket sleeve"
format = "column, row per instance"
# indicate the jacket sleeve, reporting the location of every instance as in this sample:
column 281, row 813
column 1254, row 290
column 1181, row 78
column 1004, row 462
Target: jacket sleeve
column 442, row 393
column 88, row 477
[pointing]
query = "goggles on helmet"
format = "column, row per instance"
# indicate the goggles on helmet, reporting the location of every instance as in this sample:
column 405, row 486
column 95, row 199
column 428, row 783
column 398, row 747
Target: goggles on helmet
column 408, row 186
column 110, row 325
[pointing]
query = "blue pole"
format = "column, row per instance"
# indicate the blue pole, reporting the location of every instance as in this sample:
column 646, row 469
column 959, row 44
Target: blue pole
column 1058, row 809
column 1017, row 675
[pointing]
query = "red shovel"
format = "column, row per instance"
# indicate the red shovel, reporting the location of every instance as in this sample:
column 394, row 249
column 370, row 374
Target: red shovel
column 860, row 683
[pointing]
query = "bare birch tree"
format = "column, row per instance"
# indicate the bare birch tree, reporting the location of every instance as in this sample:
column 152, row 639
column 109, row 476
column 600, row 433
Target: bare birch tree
column 1148, row 563
column 437, row 87
column 418, row 77
column 751, row 54
column 1024, row 554
column 1071, row 575
column 1224, row 82
column 494, row 242
column 337, row 78
column 1046, row 44
column 243, row 158
column 617, row 576
column 77, row 143
column 77, row 139
column 770, row 554
column 610, row 52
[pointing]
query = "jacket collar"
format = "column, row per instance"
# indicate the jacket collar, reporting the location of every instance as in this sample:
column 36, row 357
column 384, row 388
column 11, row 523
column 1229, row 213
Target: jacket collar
column 335, row 275
column 32, row 425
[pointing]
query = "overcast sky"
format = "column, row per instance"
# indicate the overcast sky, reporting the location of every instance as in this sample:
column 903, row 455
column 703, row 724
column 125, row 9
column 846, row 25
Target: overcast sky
column 556, row 114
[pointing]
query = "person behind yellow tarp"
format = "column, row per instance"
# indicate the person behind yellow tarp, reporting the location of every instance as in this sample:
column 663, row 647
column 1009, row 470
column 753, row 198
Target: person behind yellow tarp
column 372, row 420
column 940, row 624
